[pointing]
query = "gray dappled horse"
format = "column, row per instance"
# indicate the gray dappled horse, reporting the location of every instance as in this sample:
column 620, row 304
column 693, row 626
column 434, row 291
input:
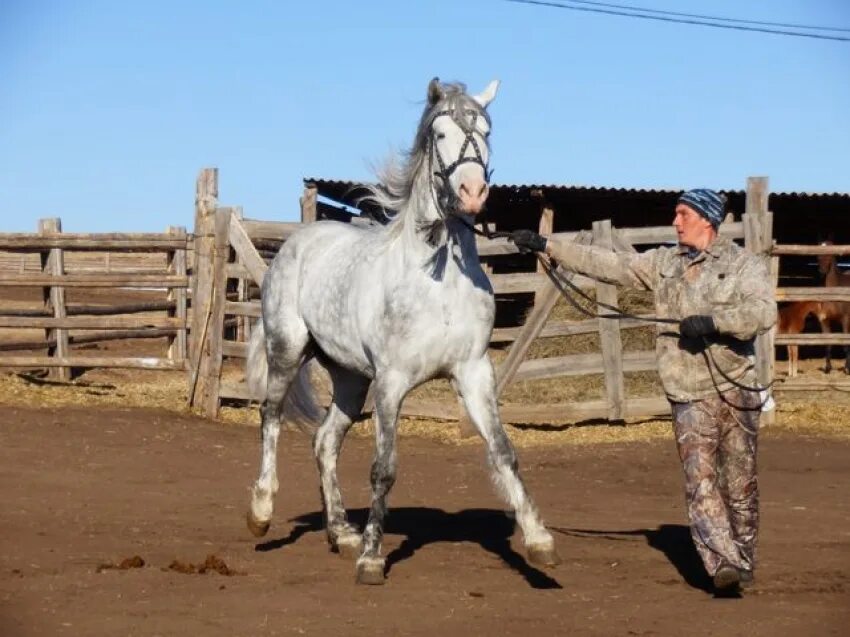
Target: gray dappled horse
column 398, row 305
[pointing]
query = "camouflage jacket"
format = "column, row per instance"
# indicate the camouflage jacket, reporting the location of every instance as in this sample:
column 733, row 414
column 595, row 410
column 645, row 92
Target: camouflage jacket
column 725, row 281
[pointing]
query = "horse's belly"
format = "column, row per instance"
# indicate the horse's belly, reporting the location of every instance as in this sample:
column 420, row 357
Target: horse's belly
column 344, row 345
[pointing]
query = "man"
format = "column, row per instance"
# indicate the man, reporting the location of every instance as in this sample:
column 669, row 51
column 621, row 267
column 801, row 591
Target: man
column 723, row 297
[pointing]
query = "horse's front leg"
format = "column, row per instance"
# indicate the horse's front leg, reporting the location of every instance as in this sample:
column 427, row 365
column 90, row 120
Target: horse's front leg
column 476, row 384
column 390, row 390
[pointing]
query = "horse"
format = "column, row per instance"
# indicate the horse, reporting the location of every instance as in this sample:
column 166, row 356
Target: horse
column 395, row 305
column 838, row 311
column 791, row 320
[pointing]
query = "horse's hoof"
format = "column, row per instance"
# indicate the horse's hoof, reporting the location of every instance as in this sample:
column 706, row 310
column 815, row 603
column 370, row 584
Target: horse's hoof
column 257, row 528
column 370, row 570
column 544, row 555
column 349, row 546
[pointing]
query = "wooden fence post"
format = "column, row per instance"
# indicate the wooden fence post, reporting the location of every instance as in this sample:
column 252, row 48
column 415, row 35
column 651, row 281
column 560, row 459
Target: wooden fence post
column 53, row 262
column 308, row 203
column 758, row 237
column 546, row 225
column 609, row 331
column 206, row 200
column 177, row 346
column 210, row 339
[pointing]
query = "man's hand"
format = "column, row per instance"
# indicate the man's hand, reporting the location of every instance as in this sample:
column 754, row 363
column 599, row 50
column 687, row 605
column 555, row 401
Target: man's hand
column 528, row 241
column 697, row 325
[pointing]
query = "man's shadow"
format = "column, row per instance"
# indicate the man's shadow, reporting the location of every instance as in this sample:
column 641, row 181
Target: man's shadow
column 674, row 540
column 489, row 528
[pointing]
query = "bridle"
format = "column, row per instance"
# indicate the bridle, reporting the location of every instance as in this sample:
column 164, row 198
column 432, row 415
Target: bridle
column 445, row 171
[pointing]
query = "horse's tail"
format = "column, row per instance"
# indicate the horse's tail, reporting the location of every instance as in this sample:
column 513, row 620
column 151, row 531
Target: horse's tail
column 257, row 367
column 300, row 406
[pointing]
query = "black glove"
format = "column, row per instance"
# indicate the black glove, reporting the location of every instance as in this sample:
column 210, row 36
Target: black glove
column 528, row 241
column 697, row 325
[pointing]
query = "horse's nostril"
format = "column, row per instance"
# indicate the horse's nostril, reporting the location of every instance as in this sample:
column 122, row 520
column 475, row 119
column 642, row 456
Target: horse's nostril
column 483, row 190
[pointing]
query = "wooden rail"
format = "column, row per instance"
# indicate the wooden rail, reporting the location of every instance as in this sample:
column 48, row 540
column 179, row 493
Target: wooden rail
column 90, row 337
column 813, row 339
column 99, row 310
column 140, row 362
column 142, row 242
column 555, row 328
column 91, row 322
column 809, row 250
column 106, row 280
column 813, row 294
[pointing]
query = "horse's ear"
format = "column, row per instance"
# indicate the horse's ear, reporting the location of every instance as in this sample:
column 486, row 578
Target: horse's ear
column 435, row 91
column 486, row 96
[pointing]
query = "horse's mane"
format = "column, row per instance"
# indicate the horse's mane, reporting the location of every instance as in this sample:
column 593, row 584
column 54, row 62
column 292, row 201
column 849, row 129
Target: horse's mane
column 398, row 174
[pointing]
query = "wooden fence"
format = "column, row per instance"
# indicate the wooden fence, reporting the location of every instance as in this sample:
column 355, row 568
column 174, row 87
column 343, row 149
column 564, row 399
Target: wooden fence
column 56, row 262
column 211, row 278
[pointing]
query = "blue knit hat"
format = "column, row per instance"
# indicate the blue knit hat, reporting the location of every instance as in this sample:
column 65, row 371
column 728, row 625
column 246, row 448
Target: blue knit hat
column 708, row 203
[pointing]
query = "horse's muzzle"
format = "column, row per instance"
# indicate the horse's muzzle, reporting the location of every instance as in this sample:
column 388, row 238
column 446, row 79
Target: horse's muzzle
column 472, row 196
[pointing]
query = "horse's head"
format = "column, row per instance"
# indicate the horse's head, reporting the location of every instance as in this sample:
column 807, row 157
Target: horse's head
column 453, row 132
column 825, row 261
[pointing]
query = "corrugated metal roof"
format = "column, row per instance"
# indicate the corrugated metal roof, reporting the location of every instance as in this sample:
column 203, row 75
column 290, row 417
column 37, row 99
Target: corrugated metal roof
column 342, row 185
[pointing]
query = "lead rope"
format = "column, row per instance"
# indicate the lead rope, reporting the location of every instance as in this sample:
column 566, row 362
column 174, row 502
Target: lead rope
column 561, row 284
column 710, row 362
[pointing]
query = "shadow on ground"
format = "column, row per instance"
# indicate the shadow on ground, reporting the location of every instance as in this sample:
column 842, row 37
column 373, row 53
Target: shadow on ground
column 674, row 540
column 489, row 528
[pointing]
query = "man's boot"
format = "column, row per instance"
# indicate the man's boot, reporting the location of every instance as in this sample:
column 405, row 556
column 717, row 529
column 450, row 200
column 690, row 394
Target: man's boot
column 727, row 579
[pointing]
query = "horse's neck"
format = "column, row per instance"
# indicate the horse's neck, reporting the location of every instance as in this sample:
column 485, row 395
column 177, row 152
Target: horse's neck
column 424, row 230
column 834, row 277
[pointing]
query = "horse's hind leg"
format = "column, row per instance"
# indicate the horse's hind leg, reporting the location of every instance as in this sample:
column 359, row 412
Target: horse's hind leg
column 284, row 359
column 477, row 387
column 390, row 390
column 349, row 395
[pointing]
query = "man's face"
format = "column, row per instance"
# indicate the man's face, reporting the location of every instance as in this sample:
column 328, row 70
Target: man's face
column 692, row 228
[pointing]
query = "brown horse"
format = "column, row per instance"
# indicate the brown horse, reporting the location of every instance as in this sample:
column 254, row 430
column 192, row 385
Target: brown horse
column 792, row 320
column 838, row 311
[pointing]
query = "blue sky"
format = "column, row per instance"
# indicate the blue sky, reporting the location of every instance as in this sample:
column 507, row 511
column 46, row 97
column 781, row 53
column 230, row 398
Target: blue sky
column 109, row 109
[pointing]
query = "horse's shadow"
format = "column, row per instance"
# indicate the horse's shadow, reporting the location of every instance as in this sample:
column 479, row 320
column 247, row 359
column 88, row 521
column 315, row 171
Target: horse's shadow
column 674, row 540
column 489, row 528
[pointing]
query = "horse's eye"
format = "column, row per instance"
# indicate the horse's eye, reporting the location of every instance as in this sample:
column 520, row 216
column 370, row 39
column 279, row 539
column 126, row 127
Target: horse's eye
column 441, row 135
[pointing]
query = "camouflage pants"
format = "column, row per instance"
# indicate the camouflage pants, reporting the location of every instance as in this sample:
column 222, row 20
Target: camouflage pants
column 717, row 446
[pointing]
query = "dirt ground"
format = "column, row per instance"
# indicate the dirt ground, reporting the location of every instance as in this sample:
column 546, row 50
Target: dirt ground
column 84, row 488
